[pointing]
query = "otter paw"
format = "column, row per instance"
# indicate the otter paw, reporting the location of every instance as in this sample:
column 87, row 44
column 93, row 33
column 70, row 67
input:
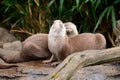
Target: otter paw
column 46, row 61
column 54, row 64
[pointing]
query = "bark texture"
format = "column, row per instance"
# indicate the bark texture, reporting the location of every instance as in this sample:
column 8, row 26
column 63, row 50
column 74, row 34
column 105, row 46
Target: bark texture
column 83, row 59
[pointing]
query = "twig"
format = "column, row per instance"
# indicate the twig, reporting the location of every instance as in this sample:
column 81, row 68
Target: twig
column 22, row 31
column 111, row 40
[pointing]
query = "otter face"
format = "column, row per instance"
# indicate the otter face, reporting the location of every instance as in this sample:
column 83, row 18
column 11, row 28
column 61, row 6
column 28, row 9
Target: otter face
column 58, row 24
column 58, row 28
column 71, row 29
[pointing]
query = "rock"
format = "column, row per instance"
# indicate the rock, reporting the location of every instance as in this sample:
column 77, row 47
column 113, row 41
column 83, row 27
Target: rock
column 32, row 70
column 99, row 72
column 35, row 70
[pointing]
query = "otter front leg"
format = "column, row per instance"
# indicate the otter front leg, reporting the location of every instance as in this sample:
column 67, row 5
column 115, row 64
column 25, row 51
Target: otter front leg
column 54, row 64
column 52, row 58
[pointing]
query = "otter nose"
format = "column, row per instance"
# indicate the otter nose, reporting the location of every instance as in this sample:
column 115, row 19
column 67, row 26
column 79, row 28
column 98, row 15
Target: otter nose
column 68, row 31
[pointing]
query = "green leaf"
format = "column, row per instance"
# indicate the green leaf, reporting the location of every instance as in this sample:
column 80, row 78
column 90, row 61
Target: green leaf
column 7, row 19
column 108, row 12
column 19, row 20
column 82, row 6
column 60, row 7
column 116, row 1
column 6, row 9
column 113, row 17
column 98, row 2
column 8, row 3
column 77, row 2
column 100, row 19
column 19, row 8
column 93, row 12
column 50, row 3
column 73, row 8
column 106, row 2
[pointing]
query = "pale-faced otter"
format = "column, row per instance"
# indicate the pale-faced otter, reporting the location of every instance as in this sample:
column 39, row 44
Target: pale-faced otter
column 61, row 46
column 71, row 29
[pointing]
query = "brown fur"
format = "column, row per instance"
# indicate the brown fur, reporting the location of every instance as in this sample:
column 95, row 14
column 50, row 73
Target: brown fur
column 34, row 47
column 4, row 65
column 15, row 46
column 5, row 36
column 61, row 46
column 10, row 56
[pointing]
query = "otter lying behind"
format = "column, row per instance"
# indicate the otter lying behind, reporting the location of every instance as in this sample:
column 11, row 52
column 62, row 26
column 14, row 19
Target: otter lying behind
column 34, row 47
column 71, row 29
column 61, row 45
column 4, row 65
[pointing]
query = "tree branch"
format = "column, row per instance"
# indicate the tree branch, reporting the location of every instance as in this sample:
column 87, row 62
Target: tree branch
column 83, row 59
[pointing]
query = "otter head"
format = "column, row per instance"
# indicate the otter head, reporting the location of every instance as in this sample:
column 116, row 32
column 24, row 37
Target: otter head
column 71, row 29
column 58, row 28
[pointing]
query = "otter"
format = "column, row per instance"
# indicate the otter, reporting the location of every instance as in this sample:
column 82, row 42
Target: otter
column 71, row 29
column 33, row 48
column 4, row 65
column 6, row 36
column 36, row 46
column 61, row 45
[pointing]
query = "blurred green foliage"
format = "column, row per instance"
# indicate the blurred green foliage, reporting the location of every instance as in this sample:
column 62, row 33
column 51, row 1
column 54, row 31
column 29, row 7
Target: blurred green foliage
column 37, row 15
column 27, row 15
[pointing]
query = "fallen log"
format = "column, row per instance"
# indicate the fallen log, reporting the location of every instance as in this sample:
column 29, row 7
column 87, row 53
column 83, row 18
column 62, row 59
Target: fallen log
column 83, row 59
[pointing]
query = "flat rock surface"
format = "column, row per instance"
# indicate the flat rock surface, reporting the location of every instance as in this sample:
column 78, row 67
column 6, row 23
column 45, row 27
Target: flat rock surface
column 32, row 70
column 99, row 72
column 35, row 70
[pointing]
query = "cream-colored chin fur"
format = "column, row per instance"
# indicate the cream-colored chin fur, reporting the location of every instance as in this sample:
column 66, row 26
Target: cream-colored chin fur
column 57, row 29
column 56, row 37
